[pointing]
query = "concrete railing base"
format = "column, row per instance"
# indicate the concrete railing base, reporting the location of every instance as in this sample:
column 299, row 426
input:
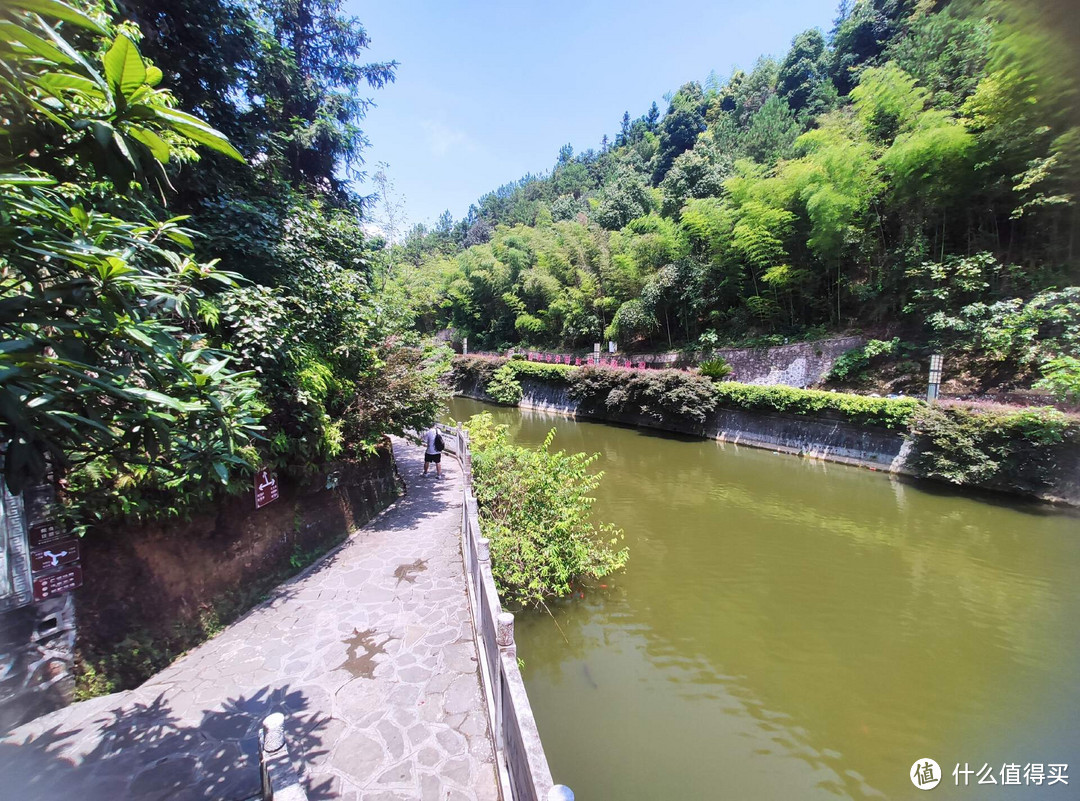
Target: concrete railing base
column 280, row 779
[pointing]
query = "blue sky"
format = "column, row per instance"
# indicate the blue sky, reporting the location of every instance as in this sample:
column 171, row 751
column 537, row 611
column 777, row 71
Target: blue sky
column 489, row 91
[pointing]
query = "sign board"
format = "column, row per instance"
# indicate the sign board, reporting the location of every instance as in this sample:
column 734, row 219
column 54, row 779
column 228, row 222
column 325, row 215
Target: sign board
column 45, row 532
column 266, row 488
column 611, row 347
column 52, row 584
column 58, row 554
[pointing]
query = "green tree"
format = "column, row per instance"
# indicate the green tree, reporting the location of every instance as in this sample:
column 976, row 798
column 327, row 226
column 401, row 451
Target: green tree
column 803, row 72
column 679, row 129
column 105, row 350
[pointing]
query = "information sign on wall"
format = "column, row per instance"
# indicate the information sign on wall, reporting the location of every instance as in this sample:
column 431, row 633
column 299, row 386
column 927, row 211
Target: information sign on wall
column 266, row 488
column 58, row 554
column 52, row 584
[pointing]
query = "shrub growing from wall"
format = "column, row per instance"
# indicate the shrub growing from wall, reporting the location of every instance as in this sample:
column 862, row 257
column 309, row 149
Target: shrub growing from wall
column 536, row 510
column 891, row 413
column 504, row 387
column 664, row 395
column 1011, row 451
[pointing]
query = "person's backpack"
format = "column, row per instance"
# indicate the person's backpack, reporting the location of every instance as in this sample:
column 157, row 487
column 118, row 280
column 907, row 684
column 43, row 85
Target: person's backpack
column 439, row 444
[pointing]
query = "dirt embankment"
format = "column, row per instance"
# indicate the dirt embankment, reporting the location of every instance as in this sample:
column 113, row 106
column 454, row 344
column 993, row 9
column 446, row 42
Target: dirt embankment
column 153, row 591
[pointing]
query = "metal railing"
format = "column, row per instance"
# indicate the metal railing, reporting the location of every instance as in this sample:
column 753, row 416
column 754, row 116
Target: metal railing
column 523, row 768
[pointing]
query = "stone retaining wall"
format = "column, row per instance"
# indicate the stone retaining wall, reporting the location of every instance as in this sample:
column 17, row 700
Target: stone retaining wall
column 820, row 437
column 801, row 364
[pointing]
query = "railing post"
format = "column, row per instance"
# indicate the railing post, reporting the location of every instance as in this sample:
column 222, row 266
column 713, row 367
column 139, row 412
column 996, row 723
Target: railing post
column 504, row 631
column 483, row 549
column 280, row 779
column 273, row 732
column 560, row 792
column 504, row 639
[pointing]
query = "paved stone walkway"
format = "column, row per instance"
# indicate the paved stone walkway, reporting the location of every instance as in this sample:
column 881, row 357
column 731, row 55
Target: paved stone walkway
column 370, row 655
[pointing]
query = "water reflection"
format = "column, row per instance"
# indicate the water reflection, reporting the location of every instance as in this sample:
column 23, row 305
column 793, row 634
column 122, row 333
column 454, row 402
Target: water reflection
column 790, row 629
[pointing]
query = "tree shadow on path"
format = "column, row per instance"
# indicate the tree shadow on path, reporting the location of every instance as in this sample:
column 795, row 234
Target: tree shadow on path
column 143, row 750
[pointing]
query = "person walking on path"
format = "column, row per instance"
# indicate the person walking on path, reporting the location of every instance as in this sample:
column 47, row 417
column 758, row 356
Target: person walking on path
column 432, row 455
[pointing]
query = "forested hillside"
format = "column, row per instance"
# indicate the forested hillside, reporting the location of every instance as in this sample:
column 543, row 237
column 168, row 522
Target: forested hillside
column 911, row 173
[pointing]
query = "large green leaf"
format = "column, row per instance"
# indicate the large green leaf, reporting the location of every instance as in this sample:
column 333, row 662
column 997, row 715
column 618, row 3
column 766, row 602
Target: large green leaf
column 161, row 399
column 124, row 68
column 57, row 10
column 56, row 82
column 194, row 128
column 19, row 179
column 155, row 143
column 33, row 43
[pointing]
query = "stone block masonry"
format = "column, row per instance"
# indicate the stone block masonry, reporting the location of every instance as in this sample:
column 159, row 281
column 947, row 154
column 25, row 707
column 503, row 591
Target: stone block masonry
column 800, row 364
column 37, row 652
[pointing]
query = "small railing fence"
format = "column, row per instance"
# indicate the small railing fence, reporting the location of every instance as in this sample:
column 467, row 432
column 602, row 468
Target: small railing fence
column 652, row 361
column 523, row 768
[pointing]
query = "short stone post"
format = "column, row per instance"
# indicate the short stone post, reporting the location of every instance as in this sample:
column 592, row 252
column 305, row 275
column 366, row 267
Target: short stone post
column 504, row 639
column 464, row 346
column 504, row 631
column 273, row 732
column 280, row 780
column 483, row 549
column 560, row 792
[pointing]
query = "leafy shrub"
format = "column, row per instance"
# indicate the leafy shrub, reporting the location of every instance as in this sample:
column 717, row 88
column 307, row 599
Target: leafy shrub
column 717, row 369
column 853, row 363
column 536, row 509
column 1021, row 332
column 664, row 395
column 891, row 413
column 106, row 360
column 500, row 378
column 474, row 371
column 1014, row 451
column 1062, row 377
column 542, row 371
column 504, row 387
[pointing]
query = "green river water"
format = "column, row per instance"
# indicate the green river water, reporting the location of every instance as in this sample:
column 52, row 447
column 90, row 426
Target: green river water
column 788, row 629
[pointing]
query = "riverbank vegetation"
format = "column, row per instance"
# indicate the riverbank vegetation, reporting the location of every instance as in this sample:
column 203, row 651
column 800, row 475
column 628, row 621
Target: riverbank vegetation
column 186, row 293
column 1001, row 448
column 911, row 174
column 536, row 509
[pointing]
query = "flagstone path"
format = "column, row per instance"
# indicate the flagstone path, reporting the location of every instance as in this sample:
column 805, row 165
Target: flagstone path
column 370, row 654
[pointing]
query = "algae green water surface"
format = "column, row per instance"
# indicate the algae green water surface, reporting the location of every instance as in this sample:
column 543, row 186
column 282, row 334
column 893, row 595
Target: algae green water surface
column 794, row 630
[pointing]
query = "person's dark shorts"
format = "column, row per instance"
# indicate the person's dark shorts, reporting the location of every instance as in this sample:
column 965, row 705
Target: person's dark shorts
column 433, row 458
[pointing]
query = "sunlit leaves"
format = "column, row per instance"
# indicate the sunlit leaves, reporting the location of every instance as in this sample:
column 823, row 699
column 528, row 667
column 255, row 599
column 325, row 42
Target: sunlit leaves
column 927, row 158
column 536, row 509
column 124, row 68
column 887, row 100
column 109, row 365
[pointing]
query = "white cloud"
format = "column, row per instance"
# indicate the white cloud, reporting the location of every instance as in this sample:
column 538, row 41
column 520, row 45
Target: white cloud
column 442, row 139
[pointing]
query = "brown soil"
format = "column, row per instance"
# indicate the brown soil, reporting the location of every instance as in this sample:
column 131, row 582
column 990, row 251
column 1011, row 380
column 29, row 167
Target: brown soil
column 159, row 589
